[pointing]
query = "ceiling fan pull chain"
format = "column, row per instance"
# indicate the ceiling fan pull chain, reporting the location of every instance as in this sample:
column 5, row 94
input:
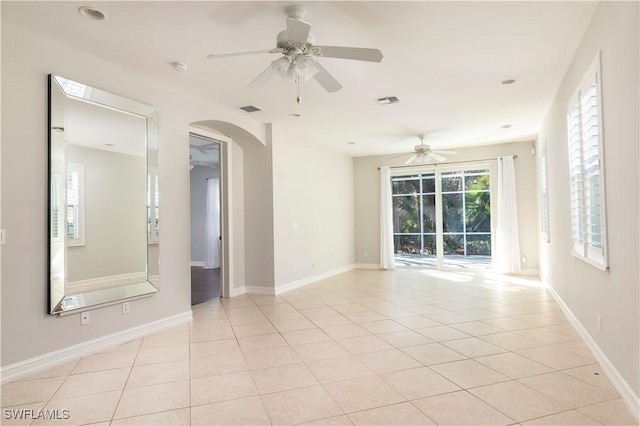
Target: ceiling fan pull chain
column 298, row 99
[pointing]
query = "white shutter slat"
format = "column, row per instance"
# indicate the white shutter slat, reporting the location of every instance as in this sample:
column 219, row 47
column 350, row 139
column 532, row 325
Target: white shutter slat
column 586, row 176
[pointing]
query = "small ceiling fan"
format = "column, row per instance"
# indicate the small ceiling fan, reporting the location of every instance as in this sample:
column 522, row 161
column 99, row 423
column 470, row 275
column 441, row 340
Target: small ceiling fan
column 424, row 153
column 299, row 53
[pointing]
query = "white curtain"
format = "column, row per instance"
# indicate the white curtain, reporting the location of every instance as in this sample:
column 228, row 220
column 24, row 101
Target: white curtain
column 507, row 259
column 212, row 225
column 386, row 220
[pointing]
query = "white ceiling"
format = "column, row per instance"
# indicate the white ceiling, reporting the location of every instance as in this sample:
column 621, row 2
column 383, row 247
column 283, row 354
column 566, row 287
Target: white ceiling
column 443, row 60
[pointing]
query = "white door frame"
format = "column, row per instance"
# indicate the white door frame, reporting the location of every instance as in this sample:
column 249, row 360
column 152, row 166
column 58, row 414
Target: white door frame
column 226, row 218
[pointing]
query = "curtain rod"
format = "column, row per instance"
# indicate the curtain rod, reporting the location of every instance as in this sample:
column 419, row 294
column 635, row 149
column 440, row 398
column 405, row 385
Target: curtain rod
column 444, row 164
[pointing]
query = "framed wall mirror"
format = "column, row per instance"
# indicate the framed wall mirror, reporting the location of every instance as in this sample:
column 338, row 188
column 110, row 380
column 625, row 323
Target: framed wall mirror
column 103, row 197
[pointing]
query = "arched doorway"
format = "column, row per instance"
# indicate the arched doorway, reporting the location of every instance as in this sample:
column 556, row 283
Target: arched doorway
column 246, row 199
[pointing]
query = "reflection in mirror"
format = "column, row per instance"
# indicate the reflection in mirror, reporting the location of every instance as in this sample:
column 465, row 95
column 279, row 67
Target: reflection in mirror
column 104, row 197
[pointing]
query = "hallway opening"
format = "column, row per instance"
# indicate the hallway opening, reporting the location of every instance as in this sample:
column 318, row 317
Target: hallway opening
column 206, row 233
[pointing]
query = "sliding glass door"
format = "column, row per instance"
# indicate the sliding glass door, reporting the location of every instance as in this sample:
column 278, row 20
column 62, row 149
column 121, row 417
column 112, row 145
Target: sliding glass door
column 443, row 218
column 414, row 218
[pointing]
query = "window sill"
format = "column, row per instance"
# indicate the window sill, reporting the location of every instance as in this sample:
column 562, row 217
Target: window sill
column 600, row 265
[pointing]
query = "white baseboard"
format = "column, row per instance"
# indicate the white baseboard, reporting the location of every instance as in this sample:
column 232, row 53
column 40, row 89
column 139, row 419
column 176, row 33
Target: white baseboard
column 366, row 266
column 43, row 362
column 289, row 286
column 237, row 291
column 259, row 290
column 312, row 279
column 631, row 400
column 197, row 263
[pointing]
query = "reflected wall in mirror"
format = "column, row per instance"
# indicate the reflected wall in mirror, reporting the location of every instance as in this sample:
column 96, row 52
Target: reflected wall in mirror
column 103, row 197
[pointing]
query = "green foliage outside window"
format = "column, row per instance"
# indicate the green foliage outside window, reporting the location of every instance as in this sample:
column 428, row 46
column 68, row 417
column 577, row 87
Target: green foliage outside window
column 466, row 208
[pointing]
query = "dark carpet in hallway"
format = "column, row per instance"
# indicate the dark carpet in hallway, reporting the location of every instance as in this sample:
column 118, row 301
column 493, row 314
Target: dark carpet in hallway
column 205, row 284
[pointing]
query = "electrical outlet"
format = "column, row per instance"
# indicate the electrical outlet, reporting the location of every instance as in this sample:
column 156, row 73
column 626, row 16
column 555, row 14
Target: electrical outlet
column 366, row 254
column 84, row 318
column 125, row 308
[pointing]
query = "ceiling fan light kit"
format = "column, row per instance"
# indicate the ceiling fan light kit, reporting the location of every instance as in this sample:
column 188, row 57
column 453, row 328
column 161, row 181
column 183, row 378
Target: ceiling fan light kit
column 297, row 45
column 306, row 67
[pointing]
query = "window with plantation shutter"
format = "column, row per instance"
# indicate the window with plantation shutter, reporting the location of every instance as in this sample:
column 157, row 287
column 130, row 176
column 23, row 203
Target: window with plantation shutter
column 586, row 171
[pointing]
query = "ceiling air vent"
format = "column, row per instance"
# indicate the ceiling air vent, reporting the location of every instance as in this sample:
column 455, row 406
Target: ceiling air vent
column 388, row 100
column 250, row 108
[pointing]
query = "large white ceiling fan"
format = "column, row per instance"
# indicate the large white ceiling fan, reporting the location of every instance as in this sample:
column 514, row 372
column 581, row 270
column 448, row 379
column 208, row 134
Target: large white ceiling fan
column 299, row 53
column 423, row 153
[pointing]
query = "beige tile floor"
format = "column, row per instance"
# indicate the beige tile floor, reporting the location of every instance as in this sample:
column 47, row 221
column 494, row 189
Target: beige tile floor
column 410, row 347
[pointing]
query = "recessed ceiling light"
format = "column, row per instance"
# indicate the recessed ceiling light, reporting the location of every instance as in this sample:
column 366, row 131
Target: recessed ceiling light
column 295, row 115
column 351, row 143
column 509, row 81
column 108, row 144
column 92, row 13
column 506, row 126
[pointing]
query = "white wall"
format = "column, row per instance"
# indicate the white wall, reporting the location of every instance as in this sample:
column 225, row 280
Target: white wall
column 313, row 209
column 367, row 196
column 587, row 291
column 27, row 330
column 258, row 214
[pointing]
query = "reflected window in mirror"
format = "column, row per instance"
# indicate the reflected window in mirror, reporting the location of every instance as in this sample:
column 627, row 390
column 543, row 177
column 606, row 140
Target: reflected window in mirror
column 75, row 204
column 153, row 206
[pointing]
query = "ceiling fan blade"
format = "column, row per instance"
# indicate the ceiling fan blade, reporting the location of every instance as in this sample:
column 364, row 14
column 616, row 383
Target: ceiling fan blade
column 355, row 53
column 413, row 158
column 250, row 52
column 297, row 30
column 439, row 151
column 326, row 80
column 436, row 156
column 264, row 76
column 398, row 156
